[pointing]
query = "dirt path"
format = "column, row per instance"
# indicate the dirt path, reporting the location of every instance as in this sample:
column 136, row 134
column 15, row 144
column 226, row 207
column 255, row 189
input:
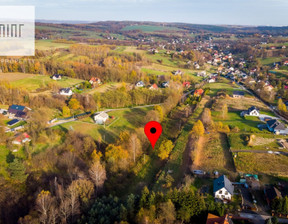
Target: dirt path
column 229, row 164
column 198, row 153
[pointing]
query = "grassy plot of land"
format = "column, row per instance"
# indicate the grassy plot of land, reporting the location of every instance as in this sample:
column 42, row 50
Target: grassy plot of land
column 262, row 163
column 39, row 81
column 271, row 60
column 125, row 120
column 3, row 164
column 265, row 142
column 11, row 77
column 49, row 44
column 178, row 161
column 223, row 84
column 106, row 87
column 212, row 153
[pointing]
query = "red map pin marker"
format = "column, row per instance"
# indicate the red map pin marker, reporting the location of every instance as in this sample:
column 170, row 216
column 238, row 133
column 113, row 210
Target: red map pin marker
column 153, row 130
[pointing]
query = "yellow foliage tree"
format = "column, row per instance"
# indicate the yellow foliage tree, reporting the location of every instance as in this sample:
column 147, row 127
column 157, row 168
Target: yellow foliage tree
column 165, row 149
column 66, row 111
column 198, row 129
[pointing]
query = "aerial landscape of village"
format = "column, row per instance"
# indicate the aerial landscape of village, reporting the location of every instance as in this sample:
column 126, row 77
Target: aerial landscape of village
column 73, row 149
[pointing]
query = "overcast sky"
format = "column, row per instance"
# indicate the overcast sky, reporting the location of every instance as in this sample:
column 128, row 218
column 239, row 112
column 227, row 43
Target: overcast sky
column 233, row 12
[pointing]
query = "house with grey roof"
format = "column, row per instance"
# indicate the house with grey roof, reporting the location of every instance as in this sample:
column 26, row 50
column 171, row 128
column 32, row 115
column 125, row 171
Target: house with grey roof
column 223, row 188
column 276, row 127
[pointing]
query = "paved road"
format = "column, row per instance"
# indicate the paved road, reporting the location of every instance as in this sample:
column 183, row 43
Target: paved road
column 259, row 219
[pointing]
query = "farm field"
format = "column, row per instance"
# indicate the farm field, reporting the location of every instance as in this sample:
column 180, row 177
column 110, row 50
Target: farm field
column 262, row 163
column 11, row 77
column 267, row 61
column 49, row 44
column 39, row 81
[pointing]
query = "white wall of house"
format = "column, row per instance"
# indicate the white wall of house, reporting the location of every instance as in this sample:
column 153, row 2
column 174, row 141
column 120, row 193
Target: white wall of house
column 223, row 194
column 254, row 113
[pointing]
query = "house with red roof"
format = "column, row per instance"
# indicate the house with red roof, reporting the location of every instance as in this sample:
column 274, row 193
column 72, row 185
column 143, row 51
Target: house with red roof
column 21, row 139
column 153, row 87
column 198, row 92
column 94, row 81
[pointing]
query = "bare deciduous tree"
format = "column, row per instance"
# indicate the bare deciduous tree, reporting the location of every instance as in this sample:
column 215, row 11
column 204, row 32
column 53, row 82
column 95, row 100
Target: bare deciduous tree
column 98, row 174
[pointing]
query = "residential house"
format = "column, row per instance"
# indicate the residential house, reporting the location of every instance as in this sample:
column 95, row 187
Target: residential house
column 66, row 92
column 94, row 81
column 268, row 88
column 252, row 111
column 196, row 66
column 223, row 188
column 238, row 94
column 101, row 118
column 3, row 111
column 211, row 80
column 271, row 193
column 214, row 219
column 178, row 72
column 56, row 77
column 276, row 126
column 140, row 84
column 21, row 139
column 198, row 92
column 153, row 87
column 186, row 84
column 285, row 63
column 17, row 111
column 165, row 84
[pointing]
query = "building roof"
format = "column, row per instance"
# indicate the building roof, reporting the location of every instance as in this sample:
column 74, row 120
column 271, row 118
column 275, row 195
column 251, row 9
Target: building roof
column 272, row 193
column 12, row 122
column 22, row 137
column 57, row 76
column 15, row 108
column 101, row 115
column 221, row 182
column 65, row 90
column 276, row 125
column 238, row 93
column 213, row 219
column 252, row 108
column 199, row 91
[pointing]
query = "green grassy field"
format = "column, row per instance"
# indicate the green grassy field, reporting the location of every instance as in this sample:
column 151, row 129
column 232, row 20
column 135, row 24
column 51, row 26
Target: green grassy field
column 267, row 61
column 125, row 120
column 38, row 81
column 223, row 84
column 261, row 141
column 49, row 44
column 262, row 163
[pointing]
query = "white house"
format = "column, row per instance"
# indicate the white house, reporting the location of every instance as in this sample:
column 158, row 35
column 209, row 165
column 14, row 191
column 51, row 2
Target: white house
column 223, row 188
column 252, row 111
column 101, row 118
column 211, row 80
column 140, row 84
column 66, row 92
column 56, row 77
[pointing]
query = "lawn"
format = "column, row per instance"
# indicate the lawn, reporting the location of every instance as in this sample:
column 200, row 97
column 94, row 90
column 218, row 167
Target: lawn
column 262, row 163
column 125, row 120
column 223, row 84
column 49, row 44
column 271, row 60
column 261, row 141
column 11, row 77
column 39, row 81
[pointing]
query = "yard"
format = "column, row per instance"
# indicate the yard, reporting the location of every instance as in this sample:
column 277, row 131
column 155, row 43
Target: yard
column 124, row 120
column 49, row 44
column 212, row 153
column 35, row 82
